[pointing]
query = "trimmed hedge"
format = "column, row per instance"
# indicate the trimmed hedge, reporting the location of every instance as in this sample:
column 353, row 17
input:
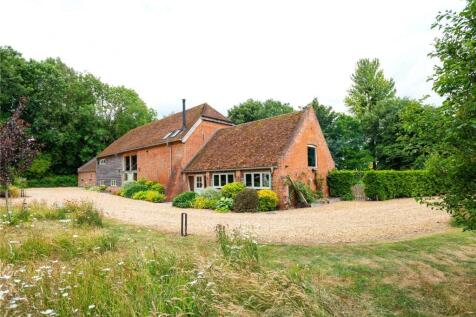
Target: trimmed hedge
column 54, row 181
column 184, row 200
column 383, row 185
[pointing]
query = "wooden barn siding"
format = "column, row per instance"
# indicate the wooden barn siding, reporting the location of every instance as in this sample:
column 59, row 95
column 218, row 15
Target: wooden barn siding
column 111, row 170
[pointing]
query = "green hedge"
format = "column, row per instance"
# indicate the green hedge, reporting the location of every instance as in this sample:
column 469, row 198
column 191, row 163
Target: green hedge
column 383, row 185
column 54, row 181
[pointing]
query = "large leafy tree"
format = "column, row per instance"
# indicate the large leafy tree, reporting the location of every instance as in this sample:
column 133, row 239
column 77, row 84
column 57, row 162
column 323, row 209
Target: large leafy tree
column 73, row 115
column 369, row 90
column 455, row 79
column 344, row 136
column 252, row 110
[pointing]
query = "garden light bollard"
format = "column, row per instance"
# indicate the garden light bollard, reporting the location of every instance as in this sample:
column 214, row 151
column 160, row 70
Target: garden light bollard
column 183, row 225
column 25, row 206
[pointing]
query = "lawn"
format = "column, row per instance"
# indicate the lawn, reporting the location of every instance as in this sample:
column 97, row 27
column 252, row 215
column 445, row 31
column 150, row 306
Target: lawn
column 66, row 262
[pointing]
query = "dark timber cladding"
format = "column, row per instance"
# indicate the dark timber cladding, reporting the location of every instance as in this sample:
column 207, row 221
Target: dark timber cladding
column 110, row 170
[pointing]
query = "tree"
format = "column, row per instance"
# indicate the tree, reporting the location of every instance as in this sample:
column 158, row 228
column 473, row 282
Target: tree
column 325, row 115
column 73, row 115
column 17, row 149
column 455, row 79
column 252, row 110
column 369, row 89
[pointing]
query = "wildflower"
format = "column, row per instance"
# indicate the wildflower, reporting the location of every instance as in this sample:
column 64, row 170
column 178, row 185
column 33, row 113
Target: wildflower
column 92, row 306
column 75, row 236
column 3, row 293
column 49, row 312
column 13, row 306
column 65, row 294
column 5, row 277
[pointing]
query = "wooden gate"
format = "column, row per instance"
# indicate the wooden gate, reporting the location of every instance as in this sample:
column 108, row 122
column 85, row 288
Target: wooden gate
column 358, row 192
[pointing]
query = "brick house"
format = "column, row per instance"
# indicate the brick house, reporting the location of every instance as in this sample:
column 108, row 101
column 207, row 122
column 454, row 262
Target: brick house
column 200, row 148
column 87, row 174
column 262, row 153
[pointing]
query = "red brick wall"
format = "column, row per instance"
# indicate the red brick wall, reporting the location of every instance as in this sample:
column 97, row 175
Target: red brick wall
column 86, row 179
column 164, row 163
column 294, row 162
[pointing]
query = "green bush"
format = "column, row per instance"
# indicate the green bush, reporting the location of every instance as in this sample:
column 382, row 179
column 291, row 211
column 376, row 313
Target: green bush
column 83, row 213
column 232, row 189
column 184, row 200
column 130, row 188
column 139, row 195
column 54, row 181
column 246, row 201
column 267, row 200
column 151, row 185
column 154, row 196
column 306, row 191
column 383, row 185
column 210, row 193
column 199, row 202
column 224, row 204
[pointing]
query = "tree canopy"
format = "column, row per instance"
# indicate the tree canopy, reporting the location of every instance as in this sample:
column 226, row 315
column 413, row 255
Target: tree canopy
column 252, row 110
column 454, row 162
column 73, row 115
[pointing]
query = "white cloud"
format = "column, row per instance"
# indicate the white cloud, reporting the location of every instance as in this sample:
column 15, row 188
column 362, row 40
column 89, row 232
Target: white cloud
column 224, row 52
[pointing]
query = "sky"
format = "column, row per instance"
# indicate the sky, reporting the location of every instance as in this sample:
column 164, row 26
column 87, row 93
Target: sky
column 224, row 52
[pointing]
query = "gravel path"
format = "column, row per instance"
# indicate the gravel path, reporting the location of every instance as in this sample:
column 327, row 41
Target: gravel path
column 339, row 222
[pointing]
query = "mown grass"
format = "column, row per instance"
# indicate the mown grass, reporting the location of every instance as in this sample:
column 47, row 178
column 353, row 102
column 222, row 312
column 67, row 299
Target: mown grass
column 55, row 265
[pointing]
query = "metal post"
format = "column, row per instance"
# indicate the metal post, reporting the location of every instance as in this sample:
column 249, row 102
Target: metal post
column 183, row 227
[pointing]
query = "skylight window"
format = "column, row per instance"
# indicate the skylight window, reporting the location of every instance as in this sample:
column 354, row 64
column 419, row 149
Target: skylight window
column 175, row 133
column 167, row 135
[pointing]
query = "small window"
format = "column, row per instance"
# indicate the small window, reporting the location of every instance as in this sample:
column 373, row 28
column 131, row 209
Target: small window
column 101, row 182
column 175, row 133
column 113, row 183
column 167, row 135
column 311, row 156
column 198, row 182
column 102, row 162
column 258, row 180
column 220, row 180
column 134, row 162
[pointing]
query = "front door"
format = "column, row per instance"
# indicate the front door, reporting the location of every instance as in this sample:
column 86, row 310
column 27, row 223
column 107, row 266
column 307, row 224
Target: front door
column 199, row 183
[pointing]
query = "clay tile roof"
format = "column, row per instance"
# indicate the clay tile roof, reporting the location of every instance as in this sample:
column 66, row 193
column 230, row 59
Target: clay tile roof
column 153, row 133
column 90, row 166
column 250, row 145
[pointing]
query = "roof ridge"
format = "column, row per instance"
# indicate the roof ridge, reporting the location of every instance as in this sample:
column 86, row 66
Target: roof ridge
column 274, row 117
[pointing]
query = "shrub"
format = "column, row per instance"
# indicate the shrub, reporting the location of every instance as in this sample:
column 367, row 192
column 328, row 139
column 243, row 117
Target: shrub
column 383, row 185
column 154, row 196
column 232, row 189
column 306, row 191
column 184, row 200
column 151, row 185
column 211, row 203
column 210, row 193
column 139, row 195
column 267, row 200
column 224, row 204
column 130, row 188
column 246, row 201
column 54, row 181
column 13, row 192
column 199, row 202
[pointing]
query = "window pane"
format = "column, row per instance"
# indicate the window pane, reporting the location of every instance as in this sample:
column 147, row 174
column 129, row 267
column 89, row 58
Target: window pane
column 231, row 178
column 134, row 162
column 266, row 182
column 135, row 176
column 216, row 180
column 128, row 166
column 256, row 180
column 311, row 156
column 222, row 180
column 248, row 181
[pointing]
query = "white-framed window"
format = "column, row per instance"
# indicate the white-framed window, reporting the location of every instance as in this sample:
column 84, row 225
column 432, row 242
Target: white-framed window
column 221, row 179
column 130, row 163
column 101, row 182
column 311, row 156
column 199, row 182
column 258, row 180
column 102, row 162
column 113, row 183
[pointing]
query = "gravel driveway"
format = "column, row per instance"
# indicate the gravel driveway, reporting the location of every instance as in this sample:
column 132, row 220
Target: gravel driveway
column 339, row 222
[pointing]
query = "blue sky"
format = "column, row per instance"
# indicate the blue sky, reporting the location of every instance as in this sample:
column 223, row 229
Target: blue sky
column 224, row 52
